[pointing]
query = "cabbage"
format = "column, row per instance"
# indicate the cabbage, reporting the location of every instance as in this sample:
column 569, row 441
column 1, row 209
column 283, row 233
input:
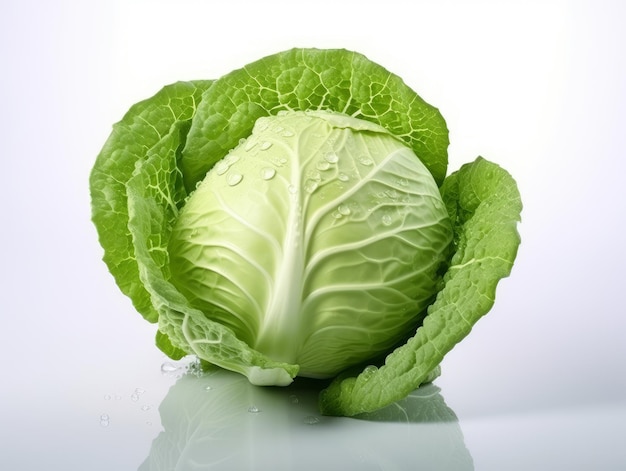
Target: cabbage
column 294, row 218
column 317, row 241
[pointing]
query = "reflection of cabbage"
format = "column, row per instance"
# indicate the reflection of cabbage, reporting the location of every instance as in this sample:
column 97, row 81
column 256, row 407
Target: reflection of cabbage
column 294, row 218
column 215, row 429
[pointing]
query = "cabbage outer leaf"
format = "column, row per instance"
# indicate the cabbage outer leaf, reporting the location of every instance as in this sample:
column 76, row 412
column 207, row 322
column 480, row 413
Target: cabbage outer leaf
column 306, row 80
column 484, row 204
column 147, row 124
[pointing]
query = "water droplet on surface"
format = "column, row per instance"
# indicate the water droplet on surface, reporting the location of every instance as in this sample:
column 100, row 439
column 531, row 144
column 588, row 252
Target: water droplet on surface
column 331, row 158
column 107, row 397
column 267, row 173
column 322, row 165
column 294, row 399
column 370, row 370
column 134, row 397
column 145, row 408
column 140, row 390
column 104, row 420
column 310, row 185
column 231, row 159
column 249, row 145
column 392, row 194
column 287, row 133
column 254, row 410
column 343, row 177
column 169, row 369
column 293, row 189
column 195, row 368
column 403, row 182
column 311, row 420
column 221, row 167
column 343, row 210
column 387, row 220
column 208, row 388
column 366, row 161
column 234, row 179
column 265, row 145
column 262, row 124
column 336, row 215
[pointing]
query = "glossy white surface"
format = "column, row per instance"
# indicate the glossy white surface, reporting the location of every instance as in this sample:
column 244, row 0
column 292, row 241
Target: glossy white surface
column 539, row 384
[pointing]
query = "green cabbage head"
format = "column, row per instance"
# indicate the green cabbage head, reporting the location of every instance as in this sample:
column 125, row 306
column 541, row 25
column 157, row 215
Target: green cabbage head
column 294, row 218
column 317, row 241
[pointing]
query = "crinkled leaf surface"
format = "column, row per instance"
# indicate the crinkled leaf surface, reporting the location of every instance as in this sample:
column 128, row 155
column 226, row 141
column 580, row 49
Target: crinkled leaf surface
column 143, row 127
column 312, row 79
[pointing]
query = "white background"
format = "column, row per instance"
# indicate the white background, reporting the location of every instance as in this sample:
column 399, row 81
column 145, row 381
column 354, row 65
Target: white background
column 537, row 87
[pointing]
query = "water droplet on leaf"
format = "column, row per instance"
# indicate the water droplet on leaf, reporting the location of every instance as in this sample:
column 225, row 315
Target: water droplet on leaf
column 267, row 173
column 231, row 159
column 262, row 124
column 322, row 165
column 369, row 370
column 392, row 194
column 221, row 167
column 234, row 179
column 310, row 185
column 331, row 158
column 343, row 210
